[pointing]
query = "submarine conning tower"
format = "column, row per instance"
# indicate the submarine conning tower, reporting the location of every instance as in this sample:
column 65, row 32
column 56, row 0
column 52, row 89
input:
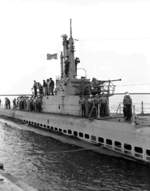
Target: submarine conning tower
column 69, row 84
column 68, row 62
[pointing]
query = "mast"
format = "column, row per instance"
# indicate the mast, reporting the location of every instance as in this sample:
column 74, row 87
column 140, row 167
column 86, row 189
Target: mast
column 69, row 65
column 70, row 27
column 72, row 72
column 61, row 65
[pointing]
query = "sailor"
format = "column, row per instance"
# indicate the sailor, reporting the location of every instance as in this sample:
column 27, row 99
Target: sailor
column 40, row 90
column 127, row 106
column 77, row 60
column 103, row 105
column 44, row 88
column 35, row 88
column 24, row 103
column 51, row 86
column 48, row 86
column 93, row 108
column 7, row 103
column 34, row 104
column 31, row 104
column 39, row 104
column 14, row 103
column 90, row 105
column 20, row 103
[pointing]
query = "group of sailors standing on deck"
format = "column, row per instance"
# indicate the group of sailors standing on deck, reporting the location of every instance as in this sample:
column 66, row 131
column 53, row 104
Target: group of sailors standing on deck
column 91, row 106
column 33, row 103
column 94, row 106
column 25, row 103
column 28, row 103
column 97, row 106
column 43, row 90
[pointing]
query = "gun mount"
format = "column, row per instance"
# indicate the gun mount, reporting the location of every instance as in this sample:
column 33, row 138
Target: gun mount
column 105, row 87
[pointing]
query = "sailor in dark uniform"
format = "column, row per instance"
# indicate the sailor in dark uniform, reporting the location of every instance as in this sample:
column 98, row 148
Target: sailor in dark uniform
column 51, row 86
column 7, row 103
column 127, row 106
column 35, row 88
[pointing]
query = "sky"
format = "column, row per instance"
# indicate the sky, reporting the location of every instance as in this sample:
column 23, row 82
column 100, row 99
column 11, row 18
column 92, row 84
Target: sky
column 113, row 41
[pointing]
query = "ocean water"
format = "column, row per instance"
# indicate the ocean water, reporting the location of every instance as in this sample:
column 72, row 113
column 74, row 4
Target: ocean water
column 47, row 164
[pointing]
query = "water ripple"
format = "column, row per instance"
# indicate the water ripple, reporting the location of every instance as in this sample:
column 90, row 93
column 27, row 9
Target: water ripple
column 43, row 163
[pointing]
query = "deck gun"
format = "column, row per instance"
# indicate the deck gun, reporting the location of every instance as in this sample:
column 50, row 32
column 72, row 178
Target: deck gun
column 105, row 87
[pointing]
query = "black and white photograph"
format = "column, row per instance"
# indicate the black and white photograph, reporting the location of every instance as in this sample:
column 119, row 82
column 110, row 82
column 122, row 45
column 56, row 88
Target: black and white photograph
column 74, row 95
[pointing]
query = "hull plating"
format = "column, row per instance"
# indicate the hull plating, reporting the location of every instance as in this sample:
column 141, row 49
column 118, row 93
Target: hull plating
column 108, row 137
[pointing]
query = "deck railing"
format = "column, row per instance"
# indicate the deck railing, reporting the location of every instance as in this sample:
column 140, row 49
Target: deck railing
column 140, row 108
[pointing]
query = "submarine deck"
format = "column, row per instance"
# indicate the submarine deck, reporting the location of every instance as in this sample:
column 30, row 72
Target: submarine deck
column 114, row 127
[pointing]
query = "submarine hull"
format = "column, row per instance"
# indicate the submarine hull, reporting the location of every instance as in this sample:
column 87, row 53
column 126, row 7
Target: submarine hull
column 111, row 137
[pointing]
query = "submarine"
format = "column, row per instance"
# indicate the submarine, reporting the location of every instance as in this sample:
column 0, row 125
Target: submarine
column 74, row 113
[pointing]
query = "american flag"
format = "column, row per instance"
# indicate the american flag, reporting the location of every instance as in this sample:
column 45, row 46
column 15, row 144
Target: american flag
column 51, row 56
